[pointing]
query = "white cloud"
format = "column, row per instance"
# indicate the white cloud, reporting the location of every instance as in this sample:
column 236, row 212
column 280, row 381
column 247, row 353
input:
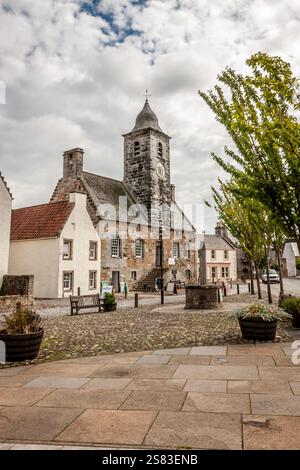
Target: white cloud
column 74, row 79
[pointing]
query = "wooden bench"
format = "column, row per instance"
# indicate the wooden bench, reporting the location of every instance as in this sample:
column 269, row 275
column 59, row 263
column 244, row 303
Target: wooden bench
column 81, row 302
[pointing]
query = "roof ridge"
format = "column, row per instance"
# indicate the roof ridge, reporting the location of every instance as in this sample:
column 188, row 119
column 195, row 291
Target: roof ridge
column 6, row 185
column 101, row 176
column 44, row 204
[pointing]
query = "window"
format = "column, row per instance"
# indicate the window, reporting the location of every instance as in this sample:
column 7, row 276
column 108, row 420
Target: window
column 68, row 249
column 139, row 249
column 133, row 275
column 225, row 272
column 93, row 250
column 188, row 274
column 213, row 254
column 176, row 250
column 116, row 247
column 186, row 250
column 93, row 279
column 137, row 149
column 160, row 150
column 68, row 281
column 213, row 273
column 225, row 254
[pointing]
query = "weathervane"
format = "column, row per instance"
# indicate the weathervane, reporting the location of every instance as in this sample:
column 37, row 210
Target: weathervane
column 147, row 94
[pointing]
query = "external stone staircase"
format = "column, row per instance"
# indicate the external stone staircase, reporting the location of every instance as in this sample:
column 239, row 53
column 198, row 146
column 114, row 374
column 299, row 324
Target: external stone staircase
column 147, row 283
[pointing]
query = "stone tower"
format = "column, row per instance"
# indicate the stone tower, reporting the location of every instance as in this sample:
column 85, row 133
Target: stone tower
column 147, row 161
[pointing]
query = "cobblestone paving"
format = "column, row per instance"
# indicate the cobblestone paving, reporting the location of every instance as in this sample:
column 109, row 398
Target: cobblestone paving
column 144, row 328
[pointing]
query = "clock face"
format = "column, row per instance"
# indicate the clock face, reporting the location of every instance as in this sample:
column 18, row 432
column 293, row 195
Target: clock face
column 160, row 169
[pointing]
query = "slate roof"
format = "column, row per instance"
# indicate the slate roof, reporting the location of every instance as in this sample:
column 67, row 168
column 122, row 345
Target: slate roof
column 214, row 242
column 105, row 190
column 43, row 221
column 5, row 184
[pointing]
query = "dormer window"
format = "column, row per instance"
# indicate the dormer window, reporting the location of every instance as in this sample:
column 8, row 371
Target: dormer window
column 160, row 150
column 137, row 149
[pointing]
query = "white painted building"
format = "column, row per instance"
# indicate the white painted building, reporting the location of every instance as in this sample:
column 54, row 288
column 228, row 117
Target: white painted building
column 5, row 218
column 59, row 245
column 217, row 258
column 289, row 257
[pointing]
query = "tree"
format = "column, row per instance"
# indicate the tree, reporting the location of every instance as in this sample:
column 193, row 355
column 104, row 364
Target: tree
column 258, row 116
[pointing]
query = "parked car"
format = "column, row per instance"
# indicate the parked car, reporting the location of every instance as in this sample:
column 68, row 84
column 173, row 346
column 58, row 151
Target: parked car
column 274, row 276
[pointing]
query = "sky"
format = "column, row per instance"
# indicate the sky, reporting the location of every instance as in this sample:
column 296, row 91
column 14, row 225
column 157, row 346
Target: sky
column 75, row 74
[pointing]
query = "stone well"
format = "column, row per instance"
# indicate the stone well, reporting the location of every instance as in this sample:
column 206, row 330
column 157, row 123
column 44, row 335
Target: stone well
column 201, row 296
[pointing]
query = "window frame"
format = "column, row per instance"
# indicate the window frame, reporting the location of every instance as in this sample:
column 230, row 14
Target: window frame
column 95, row 257
column 94, row 273
column 141, row 248
column 213, row 254
column 186, row 250
column 176, row 257
column 214, row 270
column 160, row 150
column 70, row 244
column 136, row 148
column 226, row 254
column 117, row 246
column 71, row 273
column 133, row 277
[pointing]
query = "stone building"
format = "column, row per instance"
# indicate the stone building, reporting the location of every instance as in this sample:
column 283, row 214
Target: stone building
column 5, row 216
column 144, row 200
column 218, row 257
column 58, row 245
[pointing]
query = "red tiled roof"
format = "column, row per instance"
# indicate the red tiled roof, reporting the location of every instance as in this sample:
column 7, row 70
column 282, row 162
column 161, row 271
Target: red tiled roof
column 43, row 221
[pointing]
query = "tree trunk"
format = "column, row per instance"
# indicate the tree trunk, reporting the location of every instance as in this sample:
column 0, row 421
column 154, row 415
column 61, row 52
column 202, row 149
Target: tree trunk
column 251, row 278
column 258, row 281
column 279, row 259
column 270, row 300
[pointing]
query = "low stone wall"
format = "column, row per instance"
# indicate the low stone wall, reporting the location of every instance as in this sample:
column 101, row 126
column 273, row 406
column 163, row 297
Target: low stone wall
column 8, row 302
column 17, row 285
column 201, row 297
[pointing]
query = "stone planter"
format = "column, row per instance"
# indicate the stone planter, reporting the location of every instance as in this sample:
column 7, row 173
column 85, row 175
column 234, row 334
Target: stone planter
column 258, row 329
column 22, row 347
column 201, row 297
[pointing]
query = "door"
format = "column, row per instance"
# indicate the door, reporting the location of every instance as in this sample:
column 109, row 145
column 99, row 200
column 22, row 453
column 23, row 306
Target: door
column 158, row 254
column 116, row 280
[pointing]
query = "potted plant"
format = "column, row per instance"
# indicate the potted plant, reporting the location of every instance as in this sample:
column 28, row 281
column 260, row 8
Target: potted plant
column 110, row 302
column 292, row 306
column 22, row 335
column 259, row 322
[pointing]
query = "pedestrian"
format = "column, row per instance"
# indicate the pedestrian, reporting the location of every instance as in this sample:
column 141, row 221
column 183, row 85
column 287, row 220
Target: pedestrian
column 126, row 289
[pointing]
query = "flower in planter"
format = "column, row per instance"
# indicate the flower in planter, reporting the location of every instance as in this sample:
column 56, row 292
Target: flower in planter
column 109, row 299
column 261, row 312
column 22, row 322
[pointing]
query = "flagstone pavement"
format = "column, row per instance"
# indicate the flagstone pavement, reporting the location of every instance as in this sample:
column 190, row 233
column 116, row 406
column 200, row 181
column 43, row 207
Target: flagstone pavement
column 242, row 396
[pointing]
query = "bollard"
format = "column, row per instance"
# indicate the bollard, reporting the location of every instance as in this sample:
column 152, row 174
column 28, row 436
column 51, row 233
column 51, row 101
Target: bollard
column 78, row 291
column 136, row 300
column 238, row 288
column 249, row 287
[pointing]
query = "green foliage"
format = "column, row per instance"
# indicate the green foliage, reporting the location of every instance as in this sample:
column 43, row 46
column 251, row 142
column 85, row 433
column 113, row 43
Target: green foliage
column 109, row 299
column 291, row 305
column 259, row 311
column 22, row 322
column 258, row 114
column 298, row 264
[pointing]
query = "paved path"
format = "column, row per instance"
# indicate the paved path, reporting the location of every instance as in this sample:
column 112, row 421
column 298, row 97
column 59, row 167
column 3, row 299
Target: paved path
column 207, row 397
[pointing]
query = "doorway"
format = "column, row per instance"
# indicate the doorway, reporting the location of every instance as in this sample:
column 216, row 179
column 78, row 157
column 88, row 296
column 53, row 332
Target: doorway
column 115, row 277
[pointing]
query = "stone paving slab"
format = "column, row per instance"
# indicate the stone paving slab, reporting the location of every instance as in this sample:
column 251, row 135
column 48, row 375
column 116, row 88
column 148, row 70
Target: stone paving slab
column 217, row 402
column 109, row 427
column 271, row 432
column 206, row 397
column 103, row 399
column 34, row 423
column 196, row 430
column 273, row 387
column 154, row 400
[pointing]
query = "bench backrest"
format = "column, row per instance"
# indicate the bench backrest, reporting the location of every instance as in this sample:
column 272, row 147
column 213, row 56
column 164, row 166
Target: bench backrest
column 82, row 300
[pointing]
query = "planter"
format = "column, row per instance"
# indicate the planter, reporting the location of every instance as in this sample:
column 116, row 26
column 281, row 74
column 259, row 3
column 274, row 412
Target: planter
column 22, row 347
column 111, row 308
column 258, row 329
column 296, row 321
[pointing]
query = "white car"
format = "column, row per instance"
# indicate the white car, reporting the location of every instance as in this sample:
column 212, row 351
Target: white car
column 274, row 276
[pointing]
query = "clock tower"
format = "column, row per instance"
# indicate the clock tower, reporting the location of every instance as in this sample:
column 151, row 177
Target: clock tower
column 147, row 161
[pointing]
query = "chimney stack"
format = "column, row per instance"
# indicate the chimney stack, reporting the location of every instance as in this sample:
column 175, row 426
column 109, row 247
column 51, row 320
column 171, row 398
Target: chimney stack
column 73, row 163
